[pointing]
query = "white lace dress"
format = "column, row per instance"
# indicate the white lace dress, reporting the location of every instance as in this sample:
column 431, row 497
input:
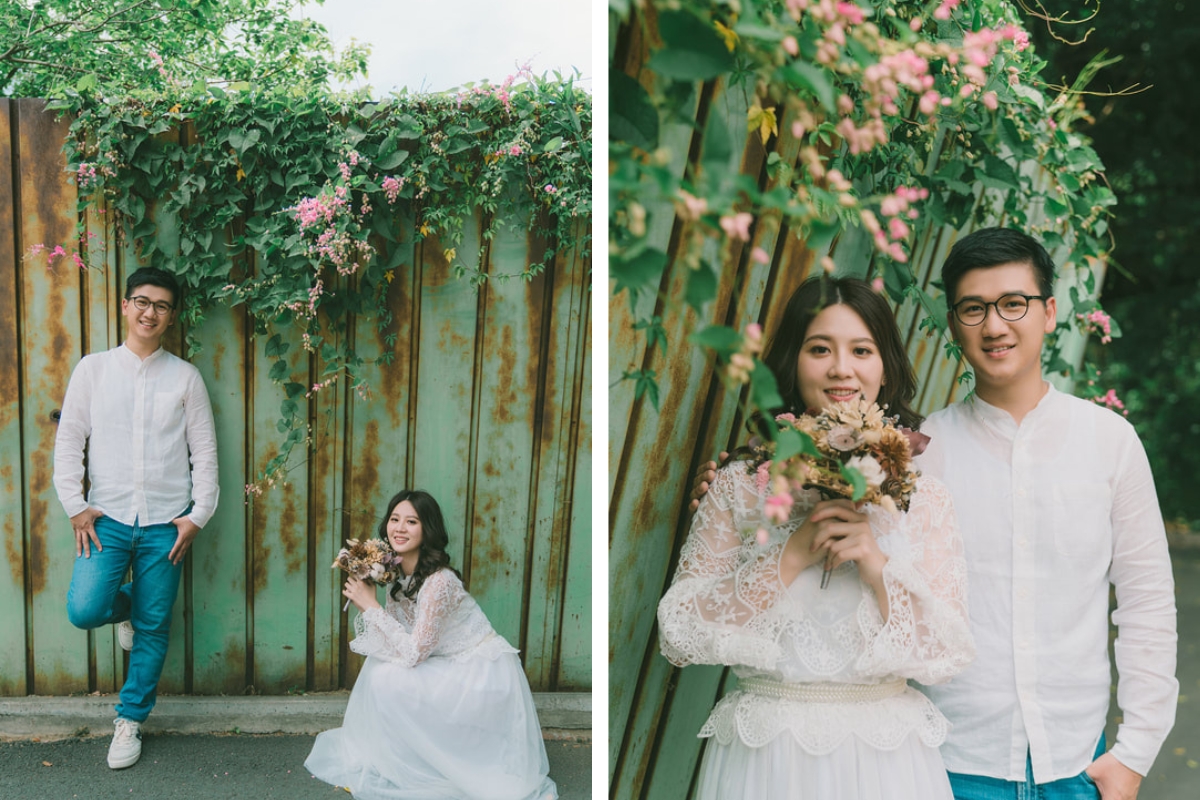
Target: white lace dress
column 823, row 709
column 441, row 709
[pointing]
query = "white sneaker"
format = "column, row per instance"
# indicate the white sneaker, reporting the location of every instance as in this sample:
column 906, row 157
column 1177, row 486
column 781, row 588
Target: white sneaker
column 125, row 635
column 126, row 747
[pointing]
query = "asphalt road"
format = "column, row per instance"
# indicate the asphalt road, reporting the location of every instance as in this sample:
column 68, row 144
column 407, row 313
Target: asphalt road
column 210, row 767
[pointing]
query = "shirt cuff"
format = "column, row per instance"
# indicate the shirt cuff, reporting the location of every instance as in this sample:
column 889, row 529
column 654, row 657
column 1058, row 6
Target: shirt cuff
column 1136, row 750
column 74, row 505
column 200, row 517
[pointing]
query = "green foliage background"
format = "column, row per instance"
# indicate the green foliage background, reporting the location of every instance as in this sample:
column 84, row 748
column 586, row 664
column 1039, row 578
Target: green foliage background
column 1147, row 141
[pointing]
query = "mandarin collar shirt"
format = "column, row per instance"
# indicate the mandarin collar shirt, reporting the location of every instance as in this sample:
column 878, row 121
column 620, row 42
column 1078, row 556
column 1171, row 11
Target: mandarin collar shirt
column 151, row 445
column 1052, row 511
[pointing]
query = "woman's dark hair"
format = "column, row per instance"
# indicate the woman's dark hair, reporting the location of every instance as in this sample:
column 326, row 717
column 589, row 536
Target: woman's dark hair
column 811, row 298
column 431, row 555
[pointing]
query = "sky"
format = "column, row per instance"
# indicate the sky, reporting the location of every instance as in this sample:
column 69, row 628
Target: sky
column 434, row 46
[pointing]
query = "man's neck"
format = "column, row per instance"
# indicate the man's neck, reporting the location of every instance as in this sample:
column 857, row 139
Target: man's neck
column 1017, row 399
column 142, row 350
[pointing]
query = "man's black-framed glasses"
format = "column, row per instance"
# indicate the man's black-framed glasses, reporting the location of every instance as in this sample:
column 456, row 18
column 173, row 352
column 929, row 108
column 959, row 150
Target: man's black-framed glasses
column 1010, row 307
column 161, row 307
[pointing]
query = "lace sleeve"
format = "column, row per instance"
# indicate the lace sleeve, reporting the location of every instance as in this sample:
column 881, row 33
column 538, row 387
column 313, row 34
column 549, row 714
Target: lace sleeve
column 717, row 609
column 927, row 635
column 379, row 634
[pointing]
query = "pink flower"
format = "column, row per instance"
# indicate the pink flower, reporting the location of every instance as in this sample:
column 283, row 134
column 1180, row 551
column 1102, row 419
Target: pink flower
column 877, row 285
column 515, row 150
column 990, row 101
column 1020, row 40
column 778, row 507
column 759, row 256
column 737, row 226
column 549, row 188
column 914, row 24
column 851, row 13
column 791, row 46
column 694, row 207
column 897, row 228
column 761, row 536
column 392, row 187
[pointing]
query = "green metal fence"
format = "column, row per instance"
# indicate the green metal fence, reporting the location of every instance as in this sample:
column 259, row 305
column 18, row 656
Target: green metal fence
column 486, row 405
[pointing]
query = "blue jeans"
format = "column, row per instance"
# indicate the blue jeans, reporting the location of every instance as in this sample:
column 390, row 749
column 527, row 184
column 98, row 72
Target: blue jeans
column 96, row 598
column 977, row 787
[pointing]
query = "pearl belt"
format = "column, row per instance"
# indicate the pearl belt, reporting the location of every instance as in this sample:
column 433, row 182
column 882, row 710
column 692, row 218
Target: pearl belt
column 822, row 692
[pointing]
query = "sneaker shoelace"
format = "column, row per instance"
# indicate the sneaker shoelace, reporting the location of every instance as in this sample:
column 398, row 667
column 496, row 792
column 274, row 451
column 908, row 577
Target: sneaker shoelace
column 125, row 731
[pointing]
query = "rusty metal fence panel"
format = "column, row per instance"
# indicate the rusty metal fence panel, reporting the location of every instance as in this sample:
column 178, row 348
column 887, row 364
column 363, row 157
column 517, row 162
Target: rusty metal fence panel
column 485, row 405
column 655, row 709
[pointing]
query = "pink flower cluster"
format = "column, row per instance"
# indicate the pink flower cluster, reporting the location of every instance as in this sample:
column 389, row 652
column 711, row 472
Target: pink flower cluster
column 85, row 175
column 741, row 363
column 392, row 187
column 943, row 11
column 737, row 226
column 895, row 208
column 156, row 59
column 52, row 254
column 320, row 209
column 1096, row 321
column 511, row 150
column 1110, row 400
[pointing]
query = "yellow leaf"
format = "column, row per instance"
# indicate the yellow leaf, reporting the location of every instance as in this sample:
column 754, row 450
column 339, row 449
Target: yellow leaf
column 175, row 109
column 450, row 254
column 424, row 229
column 762, row 120
column 389, row 275
column 1179, row 751
column 240, row 173
column 731, row 38
column 1193, row 763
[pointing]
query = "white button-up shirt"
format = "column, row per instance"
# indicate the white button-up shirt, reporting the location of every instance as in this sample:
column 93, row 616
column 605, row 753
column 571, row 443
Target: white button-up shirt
column 141, row 420
column 1051, row 511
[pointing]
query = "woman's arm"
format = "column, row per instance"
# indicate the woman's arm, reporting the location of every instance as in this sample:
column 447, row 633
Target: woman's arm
column 380, row 634
column 926, row 635
column 717, row 609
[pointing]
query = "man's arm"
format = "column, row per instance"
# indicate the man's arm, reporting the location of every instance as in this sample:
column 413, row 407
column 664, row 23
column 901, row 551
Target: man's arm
column 202, row 448
column 74, row 427
column 1145, row 648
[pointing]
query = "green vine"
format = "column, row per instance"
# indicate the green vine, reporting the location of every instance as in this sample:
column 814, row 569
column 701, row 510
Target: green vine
column 906, row 116
column 290, row 203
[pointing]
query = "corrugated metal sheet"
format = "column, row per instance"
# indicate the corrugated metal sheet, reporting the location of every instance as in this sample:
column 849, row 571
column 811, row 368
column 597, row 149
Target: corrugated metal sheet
column 655, row 710
column 486, row 405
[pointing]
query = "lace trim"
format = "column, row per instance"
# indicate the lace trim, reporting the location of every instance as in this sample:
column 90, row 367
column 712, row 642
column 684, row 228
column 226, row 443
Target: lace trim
column 820, row 728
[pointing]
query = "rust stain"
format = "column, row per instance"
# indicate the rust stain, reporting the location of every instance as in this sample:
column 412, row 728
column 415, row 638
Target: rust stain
column 450, row 340
column 39, row 559
column 6, row 472
column 13, row 550
column 261, row 553
column 367, row 474
column 218, row 357
column 393, row 380
column 292, row 535
column 490, row 469
column 504, row 400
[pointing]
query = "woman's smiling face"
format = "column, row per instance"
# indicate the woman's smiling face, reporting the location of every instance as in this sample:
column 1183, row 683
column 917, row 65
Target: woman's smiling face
column 404, row 528
column 839, row 360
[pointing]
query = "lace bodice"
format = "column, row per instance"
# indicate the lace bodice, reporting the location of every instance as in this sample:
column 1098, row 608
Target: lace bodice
column 728, row 605
column 442, row 620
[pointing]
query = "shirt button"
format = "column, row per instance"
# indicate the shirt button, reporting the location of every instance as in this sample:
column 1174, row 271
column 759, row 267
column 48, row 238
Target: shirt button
column 1022, row 541
column 1020, row 492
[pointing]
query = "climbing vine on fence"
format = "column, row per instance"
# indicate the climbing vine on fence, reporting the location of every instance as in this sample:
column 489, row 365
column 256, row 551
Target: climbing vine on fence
column 909, row 116
column 291, row 203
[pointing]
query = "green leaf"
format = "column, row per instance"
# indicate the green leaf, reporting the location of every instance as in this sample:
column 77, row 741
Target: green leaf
column 638, row 274
column 814, row 80
column 279, row 371
column 694, row 50
column 632, row 117
column 764, row 393
column 790, row 442
column 553, row 145
column 241, row 140
column 821, row 234
column 394, row 160
column 858, row 484
column 998, row 173
column 701, row 287
column 720, row 338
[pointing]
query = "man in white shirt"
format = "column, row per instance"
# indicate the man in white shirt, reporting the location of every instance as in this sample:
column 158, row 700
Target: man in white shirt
column 1055, row 501
column 144, row 417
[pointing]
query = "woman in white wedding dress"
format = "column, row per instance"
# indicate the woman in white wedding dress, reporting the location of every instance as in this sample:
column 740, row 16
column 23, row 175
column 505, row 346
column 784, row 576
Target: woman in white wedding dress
column 441, row 709
column 823, row 709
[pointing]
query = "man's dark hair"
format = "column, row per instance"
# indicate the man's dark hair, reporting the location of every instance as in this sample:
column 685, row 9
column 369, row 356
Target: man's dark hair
column 991, row 247
column 153, row 276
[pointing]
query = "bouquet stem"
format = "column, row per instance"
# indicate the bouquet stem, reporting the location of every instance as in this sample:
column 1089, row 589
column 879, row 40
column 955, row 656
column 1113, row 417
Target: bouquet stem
column 347, row 605
column 828, row 570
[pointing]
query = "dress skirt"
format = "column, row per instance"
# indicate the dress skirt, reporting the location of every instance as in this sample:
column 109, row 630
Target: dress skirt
column 442, row 730
column 782, row 770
